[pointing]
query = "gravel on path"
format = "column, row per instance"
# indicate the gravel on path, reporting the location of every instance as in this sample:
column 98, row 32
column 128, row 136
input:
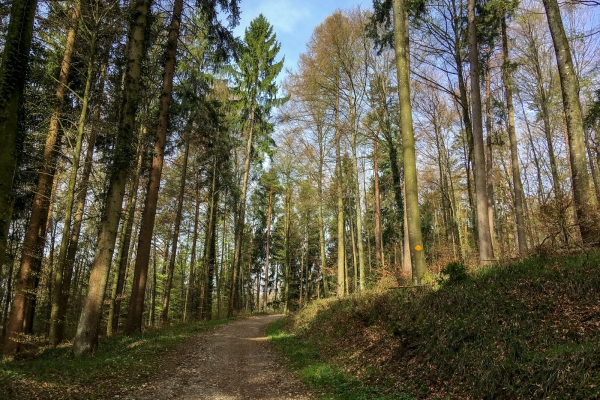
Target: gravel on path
column 235, row 361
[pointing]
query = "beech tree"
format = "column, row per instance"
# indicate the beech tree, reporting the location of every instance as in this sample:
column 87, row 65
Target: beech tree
column 583, row 195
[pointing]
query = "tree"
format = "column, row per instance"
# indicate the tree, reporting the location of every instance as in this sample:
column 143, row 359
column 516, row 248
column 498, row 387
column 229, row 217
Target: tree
column 35, row 236
column 123, row 156
column 583, row 196
column 255, row 82
column 514, row 153
column 486, row 252
column 408, row 144
column 13, row 72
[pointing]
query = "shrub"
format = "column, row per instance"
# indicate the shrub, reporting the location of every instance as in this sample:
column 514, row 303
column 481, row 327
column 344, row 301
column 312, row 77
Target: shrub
column 455, row 271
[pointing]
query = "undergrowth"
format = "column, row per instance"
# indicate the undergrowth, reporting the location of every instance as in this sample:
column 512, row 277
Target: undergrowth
column 527, row 330
column 121, row 365
column 322, row 377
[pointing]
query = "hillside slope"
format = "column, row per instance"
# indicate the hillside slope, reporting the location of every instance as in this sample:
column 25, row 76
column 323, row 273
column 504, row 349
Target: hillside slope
column 528, row 330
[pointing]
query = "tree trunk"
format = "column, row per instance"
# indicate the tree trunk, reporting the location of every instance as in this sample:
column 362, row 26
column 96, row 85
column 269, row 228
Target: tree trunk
column 466, row 120
column 583, row 195
column 269, row 210
column 241, row 217
column 78, row 220
column 124, row 250
column 353, row 241
column 340, row 205
column 35, row 235
column 490, row 152
column 136, row 305
column 286, row 245
column 378, row 248
column 514, row 152
column 301, row 270
column 165, row 311
column 13, row 74
column 486, row 252
column 190, row 287
column 321, row 222
column 359, row 237
column 544, row 110
column 64, row 243
column 210, row 245
column 408, row 145
column 153, row 301
column 124, row 153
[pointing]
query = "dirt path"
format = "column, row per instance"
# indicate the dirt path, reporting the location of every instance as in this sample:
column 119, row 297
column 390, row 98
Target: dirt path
column 232, row 362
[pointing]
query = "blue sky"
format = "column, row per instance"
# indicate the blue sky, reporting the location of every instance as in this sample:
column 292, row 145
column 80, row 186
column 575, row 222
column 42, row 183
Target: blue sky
column 293, row 20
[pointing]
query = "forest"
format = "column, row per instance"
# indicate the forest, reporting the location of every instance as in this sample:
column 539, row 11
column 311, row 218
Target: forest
column 155, row 169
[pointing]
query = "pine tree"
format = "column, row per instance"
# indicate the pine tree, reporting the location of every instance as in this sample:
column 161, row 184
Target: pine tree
column 254, row 77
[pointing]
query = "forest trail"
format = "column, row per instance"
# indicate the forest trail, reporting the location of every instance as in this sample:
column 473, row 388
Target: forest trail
column 235, row 361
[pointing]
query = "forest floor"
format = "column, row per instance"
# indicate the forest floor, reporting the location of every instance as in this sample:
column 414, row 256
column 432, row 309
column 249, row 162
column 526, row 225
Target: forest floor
column 215, row 360
column 525, row 330
column 232, row 362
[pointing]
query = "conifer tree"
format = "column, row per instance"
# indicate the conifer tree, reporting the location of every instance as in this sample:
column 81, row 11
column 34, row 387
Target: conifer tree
column 255, row 77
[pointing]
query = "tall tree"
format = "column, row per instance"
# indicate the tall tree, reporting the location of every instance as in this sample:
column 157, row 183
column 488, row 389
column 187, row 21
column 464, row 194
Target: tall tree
column 136, row 305
column 408, row 144
column 35, row 236
column 13, row 72
column 255, row 81
column 583, row 195
column 123, row 156
column 486, row 251
column 512, row 137
column 167, row 294
column 62, row 255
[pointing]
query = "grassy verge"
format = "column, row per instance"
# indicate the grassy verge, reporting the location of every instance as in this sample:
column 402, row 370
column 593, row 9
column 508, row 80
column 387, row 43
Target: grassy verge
column 121, row 364
column 526, row 330
column 322, row 376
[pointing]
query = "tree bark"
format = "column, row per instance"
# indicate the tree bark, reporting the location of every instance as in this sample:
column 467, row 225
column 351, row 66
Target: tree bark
column 87, row 330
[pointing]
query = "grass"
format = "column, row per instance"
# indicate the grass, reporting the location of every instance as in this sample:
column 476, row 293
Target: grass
column 321, row 376
column 526, row 330
column 119, row 366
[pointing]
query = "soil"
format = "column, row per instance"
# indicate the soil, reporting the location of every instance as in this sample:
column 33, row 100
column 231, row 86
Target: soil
column 235, row 361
